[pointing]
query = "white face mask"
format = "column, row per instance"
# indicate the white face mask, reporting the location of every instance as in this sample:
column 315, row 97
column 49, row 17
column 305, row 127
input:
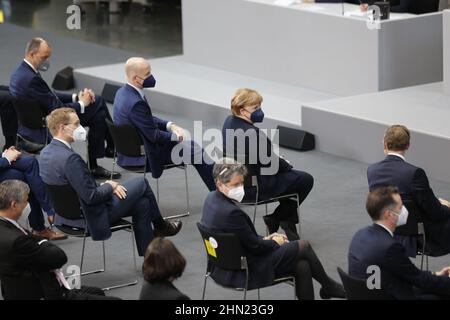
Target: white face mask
column 236, row 193
column 402, row 216
column 79, row 134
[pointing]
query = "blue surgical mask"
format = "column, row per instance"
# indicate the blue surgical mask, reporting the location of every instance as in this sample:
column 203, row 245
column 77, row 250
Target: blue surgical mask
column 149, row 82
column 44, row 65
column 257, row 115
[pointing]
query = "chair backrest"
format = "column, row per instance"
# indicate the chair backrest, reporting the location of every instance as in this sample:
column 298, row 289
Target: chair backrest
column 65, row 201
column 223, row 250
column 126, row 139
column 356, row 289
column 29, row 113
column 413, row 226
column 424, row 6
column 109, row 92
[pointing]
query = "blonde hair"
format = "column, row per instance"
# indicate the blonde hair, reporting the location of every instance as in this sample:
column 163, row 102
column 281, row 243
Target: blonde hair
column 245, row 97
column 58, row 117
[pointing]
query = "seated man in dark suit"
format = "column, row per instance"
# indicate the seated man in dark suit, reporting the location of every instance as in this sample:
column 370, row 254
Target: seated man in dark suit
column 8, row 117
column 268, row 258
column 105, row 204
column 413, row 184
column 160, row 137
column 30, row 265
column 246, row 143
column 15, row 166
column 27, row 83
column 375, row 246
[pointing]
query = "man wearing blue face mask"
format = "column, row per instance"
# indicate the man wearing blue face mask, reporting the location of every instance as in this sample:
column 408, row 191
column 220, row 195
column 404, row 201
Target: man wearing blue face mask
column 27, row 83
column 131, row 107
column 375, row 246
column 245, row 142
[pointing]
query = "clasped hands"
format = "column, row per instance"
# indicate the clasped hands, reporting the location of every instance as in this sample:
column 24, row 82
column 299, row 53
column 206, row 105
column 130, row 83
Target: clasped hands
column 278, row 238
column 87, row 96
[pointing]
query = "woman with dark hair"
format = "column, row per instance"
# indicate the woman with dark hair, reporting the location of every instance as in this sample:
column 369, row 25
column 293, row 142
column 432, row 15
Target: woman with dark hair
column 163, row 263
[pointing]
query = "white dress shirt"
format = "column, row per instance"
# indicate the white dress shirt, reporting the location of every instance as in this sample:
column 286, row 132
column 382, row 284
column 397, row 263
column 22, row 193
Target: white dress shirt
column 397, row 155
column 65, row 142
column 386, row 228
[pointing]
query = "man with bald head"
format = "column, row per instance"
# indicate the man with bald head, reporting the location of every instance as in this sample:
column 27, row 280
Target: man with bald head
column 160, row 136
column 27, row 83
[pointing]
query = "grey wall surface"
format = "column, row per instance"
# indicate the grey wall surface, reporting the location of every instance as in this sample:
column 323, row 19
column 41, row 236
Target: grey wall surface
column 297, row 47
column 410, row 51
column 446, row 36
column 317, row 49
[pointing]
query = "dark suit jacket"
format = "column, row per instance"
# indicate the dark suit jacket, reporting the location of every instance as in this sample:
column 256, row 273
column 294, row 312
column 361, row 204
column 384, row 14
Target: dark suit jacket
column 161, row 290
column 25, row 264
column 255, row 139
column 374, row 245
column 60, row 165
column 131, row 109
column 27, row 84
column 413, row 184
column 220, row 214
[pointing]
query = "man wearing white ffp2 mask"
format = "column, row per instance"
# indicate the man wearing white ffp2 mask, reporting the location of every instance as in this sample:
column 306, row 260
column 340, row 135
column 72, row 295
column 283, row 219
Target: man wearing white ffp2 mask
column 374, row 248
column 402, row 216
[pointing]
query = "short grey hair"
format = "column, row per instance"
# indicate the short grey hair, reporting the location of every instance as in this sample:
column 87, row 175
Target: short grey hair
column 225, row 169
column 33, row 45
column 12, row 191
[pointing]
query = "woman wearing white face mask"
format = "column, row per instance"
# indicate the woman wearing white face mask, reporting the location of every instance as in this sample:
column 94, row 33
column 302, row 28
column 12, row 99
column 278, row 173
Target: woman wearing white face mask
column 268, row 257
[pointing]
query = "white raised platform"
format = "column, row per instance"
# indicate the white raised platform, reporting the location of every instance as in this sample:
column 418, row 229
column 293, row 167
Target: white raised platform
column 204, row 93
column 313, row 45
column 353, row 127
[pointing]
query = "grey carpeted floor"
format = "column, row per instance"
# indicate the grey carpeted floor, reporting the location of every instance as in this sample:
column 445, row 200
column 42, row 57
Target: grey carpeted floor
column 332, row 213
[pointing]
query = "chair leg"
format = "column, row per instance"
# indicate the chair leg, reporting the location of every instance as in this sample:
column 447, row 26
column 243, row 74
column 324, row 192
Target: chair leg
column 187, row 213
column 267, row 228
column 421, row 261
column 104, row 255
column 133, row 246
column 157, row 190
column 426, row 262
column 259, row 295
column 299, row 220
column 82, row 260
column 254, row 211
column 204, row 286
column 113, row 164
column 135, row 281
column 295, row 292
column 188, row 207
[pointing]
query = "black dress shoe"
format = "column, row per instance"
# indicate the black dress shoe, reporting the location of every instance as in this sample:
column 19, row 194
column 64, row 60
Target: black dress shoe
column 171, row 229
column 102, row 173
column 272, row 223
column 290, row 230
column 333, row 290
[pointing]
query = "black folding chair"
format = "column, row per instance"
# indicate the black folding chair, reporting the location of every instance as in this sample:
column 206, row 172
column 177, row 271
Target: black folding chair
column 251, row 181
column 127, row 141
column 415, row 228
column 65, row 201
column 357, row 289
column 30, row 115
column 228, row 254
